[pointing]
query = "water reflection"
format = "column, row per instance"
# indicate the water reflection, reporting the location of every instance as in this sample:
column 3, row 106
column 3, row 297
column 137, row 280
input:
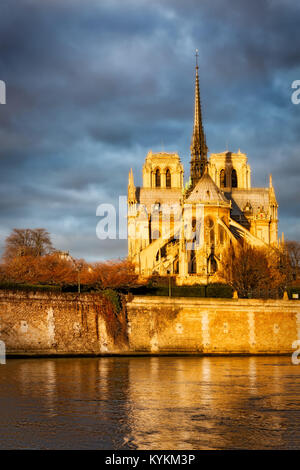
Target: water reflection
column 150, row 403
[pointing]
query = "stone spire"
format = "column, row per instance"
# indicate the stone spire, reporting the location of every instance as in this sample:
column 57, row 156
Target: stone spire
column 272, row 198
column 131, row 189
column 198, row 146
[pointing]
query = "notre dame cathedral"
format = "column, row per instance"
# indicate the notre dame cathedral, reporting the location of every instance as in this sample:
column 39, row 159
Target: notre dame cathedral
column 183, row 229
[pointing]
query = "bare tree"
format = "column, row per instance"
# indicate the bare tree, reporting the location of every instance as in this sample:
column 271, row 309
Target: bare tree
column 256, row 272
column 293, row 250
column 27, row 242
column 41, row 242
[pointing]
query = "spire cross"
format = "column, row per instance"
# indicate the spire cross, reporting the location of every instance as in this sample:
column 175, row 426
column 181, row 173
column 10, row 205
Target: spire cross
column 196, row 55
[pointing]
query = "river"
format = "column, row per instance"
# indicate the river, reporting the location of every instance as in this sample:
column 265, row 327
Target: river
column 150, row 403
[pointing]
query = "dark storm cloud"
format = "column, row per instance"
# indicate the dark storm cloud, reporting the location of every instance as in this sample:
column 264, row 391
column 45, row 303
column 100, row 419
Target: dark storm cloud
column 92, row 86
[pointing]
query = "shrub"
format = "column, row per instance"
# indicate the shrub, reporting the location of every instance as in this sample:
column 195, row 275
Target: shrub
column 29, row 287
column 219, row 291
column 114, row 297
column 212, row 290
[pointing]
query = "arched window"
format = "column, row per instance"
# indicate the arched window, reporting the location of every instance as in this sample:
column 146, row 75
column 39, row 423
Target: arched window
column 221, row 235
column 176, row 267
column 210, row 232
column 157, row 179
column 222, row 179
column 209, row 222
column 234, row 181
column 192, row 263
column 212, row 264
column 155, row 235
column 168, row 179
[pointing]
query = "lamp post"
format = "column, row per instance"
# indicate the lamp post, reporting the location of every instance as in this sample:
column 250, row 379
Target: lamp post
column 78, row 267
column 169, row 272
column 78, row 279
column 207, row 274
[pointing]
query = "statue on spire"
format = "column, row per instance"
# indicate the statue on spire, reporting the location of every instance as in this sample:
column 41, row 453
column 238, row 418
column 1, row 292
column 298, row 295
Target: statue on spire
column 198, row 145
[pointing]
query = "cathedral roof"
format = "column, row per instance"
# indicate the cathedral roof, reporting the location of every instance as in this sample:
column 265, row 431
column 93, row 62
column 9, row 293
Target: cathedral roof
column 206, row 191
column 257, row 197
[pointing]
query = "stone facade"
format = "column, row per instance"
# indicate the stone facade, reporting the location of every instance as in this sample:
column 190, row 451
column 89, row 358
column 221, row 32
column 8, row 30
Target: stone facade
column 184, row 230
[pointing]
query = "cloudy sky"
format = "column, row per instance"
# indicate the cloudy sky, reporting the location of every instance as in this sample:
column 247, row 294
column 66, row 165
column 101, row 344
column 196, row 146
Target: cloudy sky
column 93, row 85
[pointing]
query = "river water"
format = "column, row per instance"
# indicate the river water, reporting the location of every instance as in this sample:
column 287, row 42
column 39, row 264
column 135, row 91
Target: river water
column 150, row 403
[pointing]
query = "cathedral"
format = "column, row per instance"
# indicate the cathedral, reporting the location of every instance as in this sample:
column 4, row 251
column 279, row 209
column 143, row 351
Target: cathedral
column 183, row 230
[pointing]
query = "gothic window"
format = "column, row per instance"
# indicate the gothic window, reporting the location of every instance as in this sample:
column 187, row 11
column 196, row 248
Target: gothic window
column 212, row 264
column 209, row 223
column 234, row 182
column 155, row 235
column 222, row 179
column 154, row 222
column 210, row 232
column 176, row 267
column 168, row 179
column 157, row 179
column 221, row 235
column 192, row 263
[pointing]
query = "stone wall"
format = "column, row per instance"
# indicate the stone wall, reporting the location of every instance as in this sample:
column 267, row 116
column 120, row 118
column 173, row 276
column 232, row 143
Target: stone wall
column 60, row 324
column 50, row 323
column 160, row 325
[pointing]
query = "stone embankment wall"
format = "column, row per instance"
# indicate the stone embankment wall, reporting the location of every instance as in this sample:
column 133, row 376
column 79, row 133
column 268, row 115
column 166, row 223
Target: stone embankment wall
column 212, row 326
column 72, row 324
column 50, row 323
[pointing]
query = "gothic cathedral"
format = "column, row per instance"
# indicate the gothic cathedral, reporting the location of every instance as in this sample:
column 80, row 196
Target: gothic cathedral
column 183, row 230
